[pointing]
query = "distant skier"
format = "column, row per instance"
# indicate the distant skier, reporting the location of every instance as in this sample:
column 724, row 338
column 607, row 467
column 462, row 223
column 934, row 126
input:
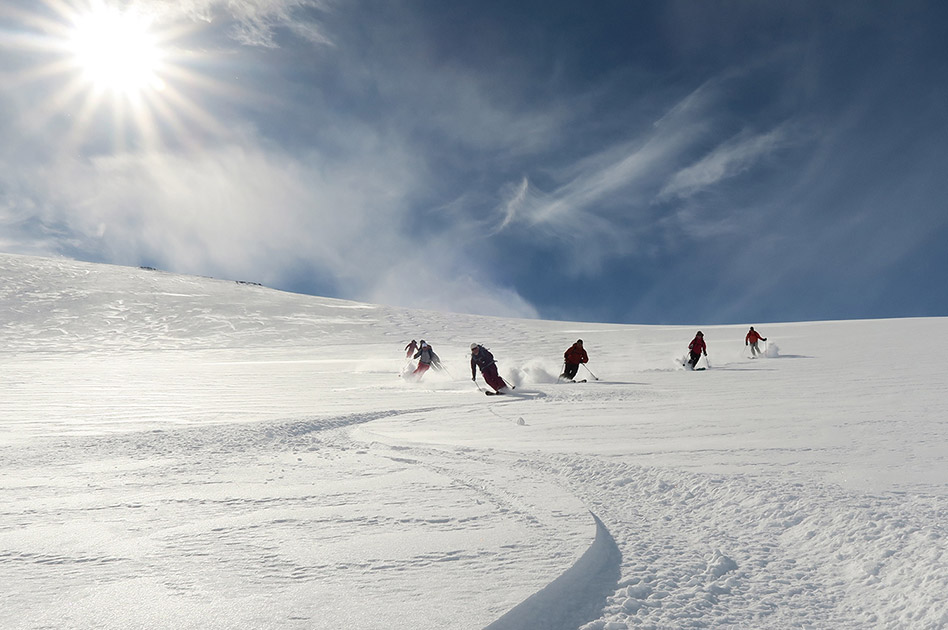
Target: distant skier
column 751, row 339
column 697, row 347
column 481, row 357
column 426, row 358
column 411, row 348
column 575, row 355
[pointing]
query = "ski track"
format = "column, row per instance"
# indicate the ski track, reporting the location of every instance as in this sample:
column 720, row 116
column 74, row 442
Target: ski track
column 160, row 470
column 731, row 551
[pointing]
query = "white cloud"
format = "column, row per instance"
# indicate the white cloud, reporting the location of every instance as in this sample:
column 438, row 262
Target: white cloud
column 617, row 201
column 729, row 159
column 604, row 200
column 256, row 20
column 240, row 211
column 517, row 197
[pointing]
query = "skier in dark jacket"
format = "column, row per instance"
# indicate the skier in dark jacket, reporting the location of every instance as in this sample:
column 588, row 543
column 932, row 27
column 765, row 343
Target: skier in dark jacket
column 481, row 357
column 575, row 355
column 697, row 347
column 752, row 338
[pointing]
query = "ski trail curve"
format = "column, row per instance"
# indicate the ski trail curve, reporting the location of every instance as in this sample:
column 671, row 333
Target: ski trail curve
column 576, row 596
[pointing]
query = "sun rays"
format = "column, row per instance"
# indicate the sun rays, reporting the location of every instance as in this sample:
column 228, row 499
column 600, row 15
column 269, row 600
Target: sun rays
column 119, row 78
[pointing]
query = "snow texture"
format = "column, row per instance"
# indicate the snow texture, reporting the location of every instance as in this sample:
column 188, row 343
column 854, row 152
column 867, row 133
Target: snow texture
column 181, row 452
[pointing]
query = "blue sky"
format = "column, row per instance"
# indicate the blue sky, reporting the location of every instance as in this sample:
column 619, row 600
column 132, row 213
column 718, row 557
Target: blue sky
column 622, row 161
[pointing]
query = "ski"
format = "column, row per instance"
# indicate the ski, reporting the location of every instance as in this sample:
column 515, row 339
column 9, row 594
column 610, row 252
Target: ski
column 489, row 393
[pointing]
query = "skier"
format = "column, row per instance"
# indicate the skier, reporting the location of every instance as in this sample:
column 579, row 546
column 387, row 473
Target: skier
column 752, row 338
column 697, row 348
column 426, row 357
column 573, row 357
column 411, row 348
column 481, row 356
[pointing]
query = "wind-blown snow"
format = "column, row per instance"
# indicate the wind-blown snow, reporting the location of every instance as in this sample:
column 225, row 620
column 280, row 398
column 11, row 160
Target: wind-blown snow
column 182, row 452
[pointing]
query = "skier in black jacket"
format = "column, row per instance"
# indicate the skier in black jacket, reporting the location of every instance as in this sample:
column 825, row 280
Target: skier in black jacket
column 482, row 358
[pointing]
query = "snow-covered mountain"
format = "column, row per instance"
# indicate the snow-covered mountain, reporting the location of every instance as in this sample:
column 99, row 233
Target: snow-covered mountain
column 181, row 452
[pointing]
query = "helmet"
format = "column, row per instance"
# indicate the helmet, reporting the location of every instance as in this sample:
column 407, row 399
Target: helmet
column 473, row 346
column 700, row 334
column 579, row 341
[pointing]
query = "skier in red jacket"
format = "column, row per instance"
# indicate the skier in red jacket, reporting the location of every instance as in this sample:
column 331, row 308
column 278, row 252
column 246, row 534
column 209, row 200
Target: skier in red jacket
column 697, row 348
column 411, row 348
column 751, row 339
column 572, row 358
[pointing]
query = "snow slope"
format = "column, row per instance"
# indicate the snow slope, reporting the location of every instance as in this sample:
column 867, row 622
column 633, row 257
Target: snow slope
column 181, row 452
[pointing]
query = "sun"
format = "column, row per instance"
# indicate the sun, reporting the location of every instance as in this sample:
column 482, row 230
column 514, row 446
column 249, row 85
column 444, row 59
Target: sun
column 117, row 75
column 116, row 51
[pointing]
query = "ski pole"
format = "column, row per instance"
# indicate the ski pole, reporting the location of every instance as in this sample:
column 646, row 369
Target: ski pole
column 595, row 378
column 474, row 380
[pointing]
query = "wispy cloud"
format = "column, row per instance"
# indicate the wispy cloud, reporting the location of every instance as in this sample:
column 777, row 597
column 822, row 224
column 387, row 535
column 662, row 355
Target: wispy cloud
column 516, row 198
column 729, row 159
column 607, row 197
column 256, row 22
column 623, row 196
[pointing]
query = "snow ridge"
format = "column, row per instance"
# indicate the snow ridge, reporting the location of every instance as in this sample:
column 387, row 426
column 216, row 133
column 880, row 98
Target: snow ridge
column 577, row 595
